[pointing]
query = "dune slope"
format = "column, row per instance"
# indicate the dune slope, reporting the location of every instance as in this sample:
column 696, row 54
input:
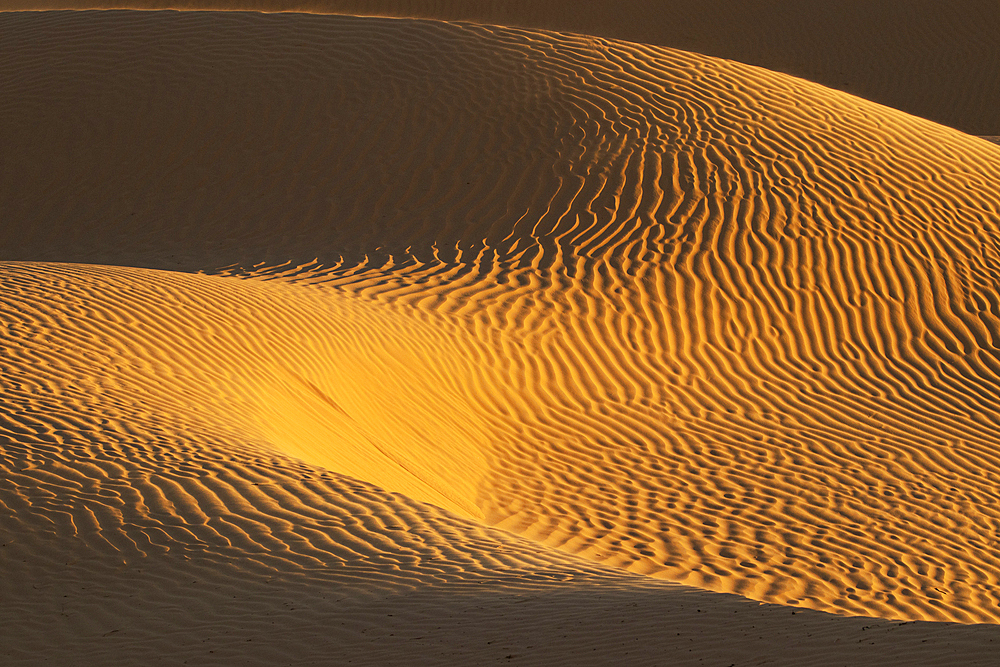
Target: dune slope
column 342, row 303
column 153, row 514
column 932, row 59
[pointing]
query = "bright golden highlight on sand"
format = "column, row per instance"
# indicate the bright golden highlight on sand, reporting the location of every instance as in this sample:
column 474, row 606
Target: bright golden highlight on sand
column 336, row 339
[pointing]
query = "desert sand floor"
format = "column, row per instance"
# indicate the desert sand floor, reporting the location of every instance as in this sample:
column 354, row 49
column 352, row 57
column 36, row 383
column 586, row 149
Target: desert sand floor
column 362, row 340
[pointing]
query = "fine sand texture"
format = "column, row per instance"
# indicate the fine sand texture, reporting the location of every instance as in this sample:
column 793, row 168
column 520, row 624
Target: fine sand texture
column 938, row 60
column 334, row 339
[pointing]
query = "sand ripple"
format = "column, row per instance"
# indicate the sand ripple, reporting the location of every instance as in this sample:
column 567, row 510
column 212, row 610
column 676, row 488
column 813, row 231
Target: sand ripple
column 672, row 314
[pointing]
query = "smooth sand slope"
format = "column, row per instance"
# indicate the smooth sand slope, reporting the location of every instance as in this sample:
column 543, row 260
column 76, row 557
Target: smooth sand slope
column 405, row 341
column 937, row 60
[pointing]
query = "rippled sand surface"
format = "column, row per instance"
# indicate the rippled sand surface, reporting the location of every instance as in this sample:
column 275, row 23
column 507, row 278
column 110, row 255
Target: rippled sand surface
column 932, row 59
column 397, row 341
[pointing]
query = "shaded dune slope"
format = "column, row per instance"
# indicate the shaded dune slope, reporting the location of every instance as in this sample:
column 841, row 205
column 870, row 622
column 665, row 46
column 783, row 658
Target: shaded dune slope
column 935, row 60
column 672, row 314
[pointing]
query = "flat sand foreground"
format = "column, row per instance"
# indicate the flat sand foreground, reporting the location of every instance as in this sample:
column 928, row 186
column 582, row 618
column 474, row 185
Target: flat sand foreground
column 335, row 339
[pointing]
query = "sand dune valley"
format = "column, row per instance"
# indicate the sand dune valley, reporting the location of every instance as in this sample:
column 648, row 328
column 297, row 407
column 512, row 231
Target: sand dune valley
column 398, row 332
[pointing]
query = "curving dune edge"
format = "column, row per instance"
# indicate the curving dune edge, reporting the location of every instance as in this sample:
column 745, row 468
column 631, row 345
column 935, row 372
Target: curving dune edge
column 398, row 341
column 934, row 61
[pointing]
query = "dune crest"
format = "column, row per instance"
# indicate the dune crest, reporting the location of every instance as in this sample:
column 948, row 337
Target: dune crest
column 927, row 58
column 651, row 310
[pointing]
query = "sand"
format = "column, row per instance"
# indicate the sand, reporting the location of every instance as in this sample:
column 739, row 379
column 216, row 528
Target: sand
column 929, row 59
column 337, row 339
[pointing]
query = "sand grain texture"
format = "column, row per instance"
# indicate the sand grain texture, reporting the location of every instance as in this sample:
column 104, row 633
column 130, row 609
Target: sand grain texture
column 483, row 338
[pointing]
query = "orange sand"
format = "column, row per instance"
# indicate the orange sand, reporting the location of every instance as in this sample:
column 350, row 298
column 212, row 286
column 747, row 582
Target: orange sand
column 932, row 59
column 396, row 341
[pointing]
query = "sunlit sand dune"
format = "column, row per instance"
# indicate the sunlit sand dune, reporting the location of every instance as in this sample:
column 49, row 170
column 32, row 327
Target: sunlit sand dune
column 154, row 512
column 937, row 60
column 409, row 325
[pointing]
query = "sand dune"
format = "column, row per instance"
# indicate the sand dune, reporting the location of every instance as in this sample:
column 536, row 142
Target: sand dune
column 491, row 331
column 152, row 516
column 932, row 59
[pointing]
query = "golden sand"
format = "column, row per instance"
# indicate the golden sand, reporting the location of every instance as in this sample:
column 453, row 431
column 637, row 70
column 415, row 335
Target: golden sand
column 397, row 341
column 932, row 59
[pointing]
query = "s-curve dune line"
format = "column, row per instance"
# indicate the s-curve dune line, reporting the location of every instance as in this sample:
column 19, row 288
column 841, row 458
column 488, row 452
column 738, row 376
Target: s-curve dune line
column 359, row 315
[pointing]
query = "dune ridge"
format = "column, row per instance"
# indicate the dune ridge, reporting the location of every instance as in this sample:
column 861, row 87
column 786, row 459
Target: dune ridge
column 311, row 299
column 933, row 60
